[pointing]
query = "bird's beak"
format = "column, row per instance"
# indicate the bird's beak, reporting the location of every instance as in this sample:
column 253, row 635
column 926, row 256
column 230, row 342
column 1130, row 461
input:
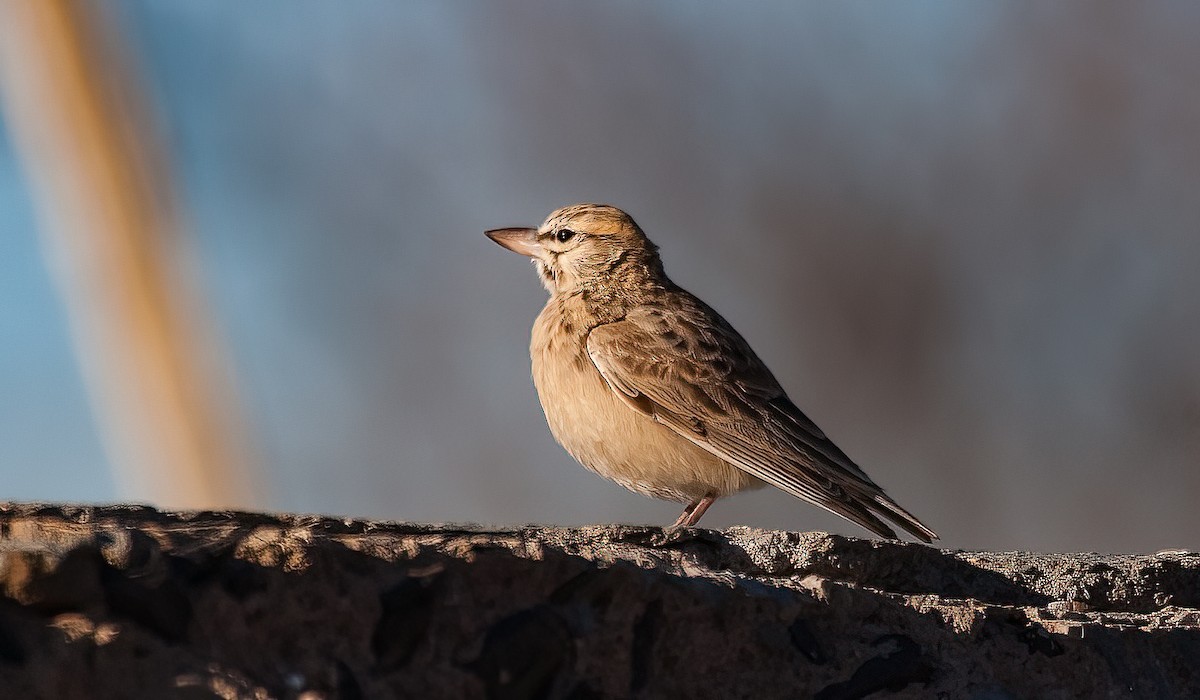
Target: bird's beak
column 518, row 240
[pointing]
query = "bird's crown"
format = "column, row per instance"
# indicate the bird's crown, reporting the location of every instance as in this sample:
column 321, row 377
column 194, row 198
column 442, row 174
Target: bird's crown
column 593, row 219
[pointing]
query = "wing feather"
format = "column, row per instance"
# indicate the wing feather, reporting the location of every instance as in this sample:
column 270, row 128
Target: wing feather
column 685, row 366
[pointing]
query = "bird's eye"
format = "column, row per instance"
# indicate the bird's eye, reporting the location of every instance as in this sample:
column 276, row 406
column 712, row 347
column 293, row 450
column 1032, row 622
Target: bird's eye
column 563, row 235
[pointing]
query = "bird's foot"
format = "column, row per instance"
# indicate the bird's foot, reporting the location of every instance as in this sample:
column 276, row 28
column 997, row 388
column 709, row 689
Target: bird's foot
column 692, row 514
column 682, row 520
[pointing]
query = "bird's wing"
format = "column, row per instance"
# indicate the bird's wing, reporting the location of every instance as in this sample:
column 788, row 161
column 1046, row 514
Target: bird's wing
column 685, row 366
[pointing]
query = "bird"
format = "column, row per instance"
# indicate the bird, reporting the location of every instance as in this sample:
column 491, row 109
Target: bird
column 645, row 384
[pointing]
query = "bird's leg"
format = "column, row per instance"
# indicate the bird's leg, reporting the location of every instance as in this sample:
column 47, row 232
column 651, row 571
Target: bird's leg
column 692, row 514
column 696, row 510
column 682, row 520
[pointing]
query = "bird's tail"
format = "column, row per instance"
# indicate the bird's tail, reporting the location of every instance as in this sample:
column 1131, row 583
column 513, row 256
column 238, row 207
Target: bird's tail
column 868, row 506
column 889, row 509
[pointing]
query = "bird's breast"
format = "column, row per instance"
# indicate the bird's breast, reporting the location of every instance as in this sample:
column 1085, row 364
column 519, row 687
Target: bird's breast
column 609, row 437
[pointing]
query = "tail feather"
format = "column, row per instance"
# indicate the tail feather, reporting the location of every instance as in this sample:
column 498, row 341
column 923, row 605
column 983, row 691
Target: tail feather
column 893, row 512
column 856, row 512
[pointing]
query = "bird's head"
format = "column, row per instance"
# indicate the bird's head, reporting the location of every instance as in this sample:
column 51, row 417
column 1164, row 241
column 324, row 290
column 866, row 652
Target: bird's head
column 585, row 248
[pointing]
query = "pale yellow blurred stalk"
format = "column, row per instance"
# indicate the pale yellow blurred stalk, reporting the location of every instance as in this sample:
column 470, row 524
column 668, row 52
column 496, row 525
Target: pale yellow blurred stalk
column 104, row 202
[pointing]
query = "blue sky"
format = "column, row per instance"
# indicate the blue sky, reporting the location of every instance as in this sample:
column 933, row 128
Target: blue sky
column 50, row 450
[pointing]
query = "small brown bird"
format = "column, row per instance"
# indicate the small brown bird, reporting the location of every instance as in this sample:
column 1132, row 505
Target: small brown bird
column 646, row 385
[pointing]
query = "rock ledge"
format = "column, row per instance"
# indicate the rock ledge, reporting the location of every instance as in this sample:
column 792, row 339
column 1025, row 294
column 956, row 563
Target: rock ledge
column 127, row 601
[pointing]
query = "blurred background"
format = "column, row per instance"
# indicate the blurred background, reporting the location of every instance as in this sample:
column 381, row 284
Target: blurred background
column 965, row 237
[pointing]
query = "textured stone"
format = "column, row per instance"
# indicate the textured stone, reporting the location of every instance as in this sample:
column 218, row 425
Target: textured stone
column 123, row 601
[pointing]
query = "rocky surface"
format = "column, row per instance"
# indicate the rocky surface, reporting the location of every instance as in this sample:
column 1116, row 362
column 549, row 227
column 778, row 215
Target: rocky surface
column 121, row 602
